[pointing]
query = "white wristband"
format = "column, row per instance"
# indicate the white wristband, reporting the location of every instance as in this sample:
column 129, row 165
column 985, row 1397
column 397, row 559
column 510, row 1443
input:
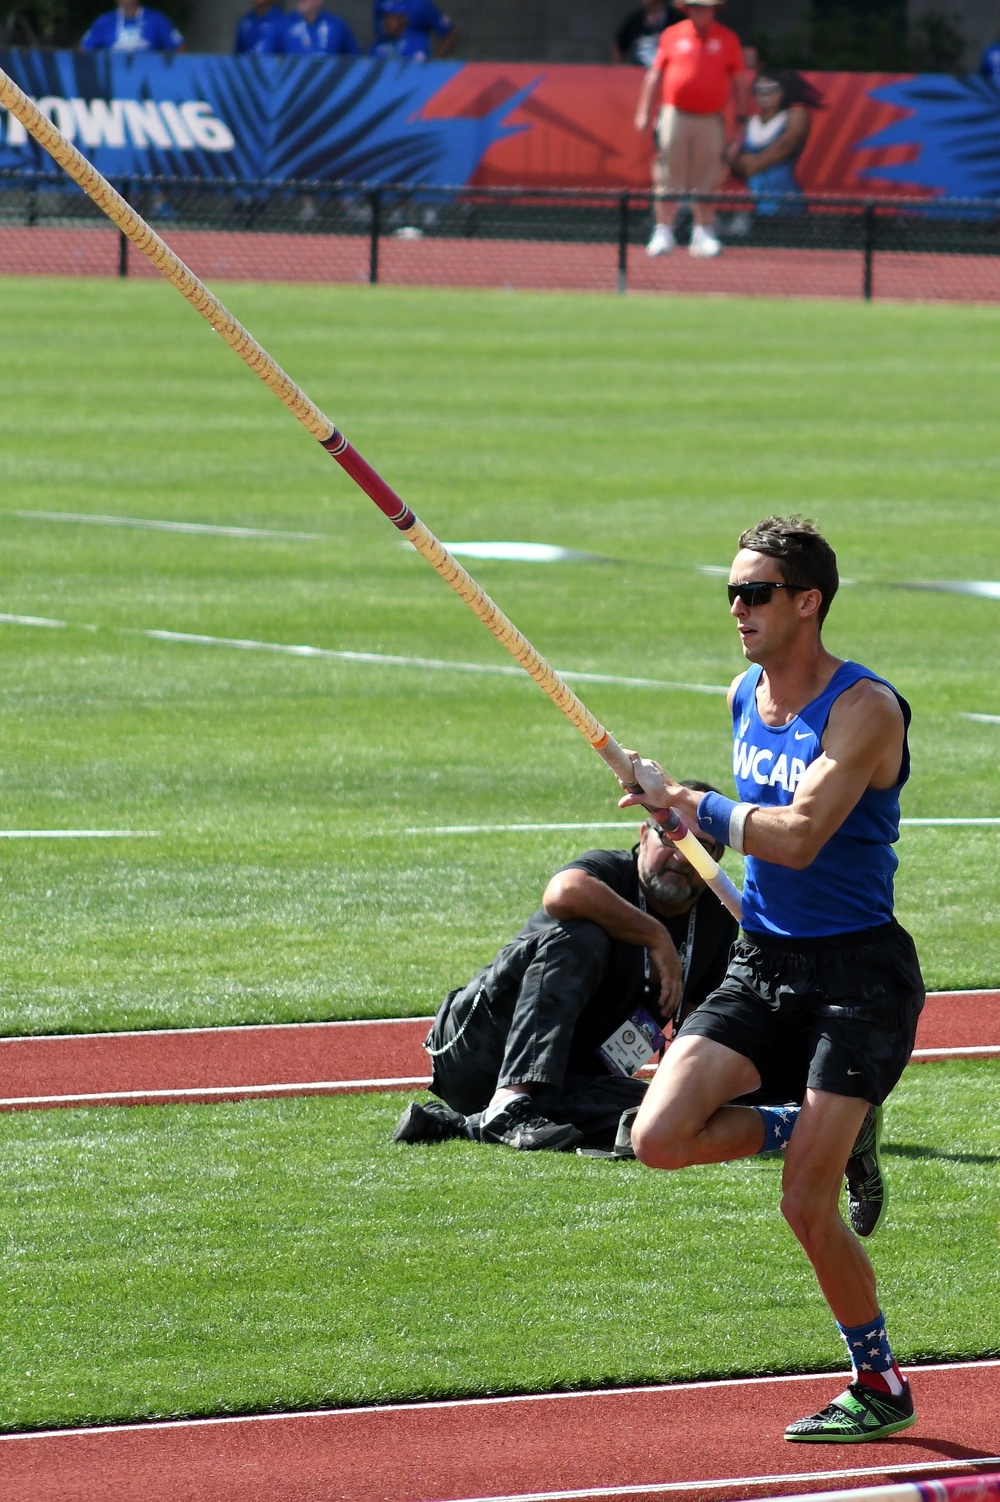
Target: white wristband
column 737, row 824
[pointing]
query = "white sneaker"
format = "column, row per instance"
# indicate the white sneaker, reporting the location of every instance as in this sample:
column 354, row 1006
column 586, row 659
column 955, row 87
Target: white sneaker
column 704, row 243
column 661, row 241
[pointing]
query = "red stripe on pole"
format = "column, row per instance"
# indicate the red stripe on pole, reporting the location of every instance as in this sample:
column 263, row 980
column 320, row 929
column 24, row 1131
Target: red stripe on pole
column 370, row 480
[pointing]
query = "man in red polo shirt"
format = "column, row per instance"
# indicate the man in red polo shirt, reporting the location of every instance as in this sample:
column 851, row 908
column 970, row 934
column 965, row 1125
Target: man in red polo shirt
column 699, row 62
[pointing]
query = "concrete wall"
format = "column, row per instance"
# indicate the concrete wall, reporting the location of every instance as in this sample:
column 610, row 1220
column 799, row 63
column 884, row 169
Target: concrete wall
column 553, row 31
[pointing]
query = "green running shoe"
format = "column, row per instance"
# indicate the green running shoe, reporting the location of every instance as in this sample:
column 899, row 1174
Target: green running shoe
column 867, row 1189
column 859, row 1414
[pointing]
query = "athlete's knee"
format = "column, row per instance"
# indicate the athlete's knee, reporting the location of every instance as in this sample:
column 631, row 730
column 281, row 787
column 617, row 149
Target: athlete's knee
column 662, row 1144
column 810, row 1211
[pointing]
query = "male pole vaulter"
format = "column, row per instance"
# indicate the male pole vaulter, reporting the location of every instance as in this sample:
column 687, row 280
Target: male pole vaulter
column 820, row 755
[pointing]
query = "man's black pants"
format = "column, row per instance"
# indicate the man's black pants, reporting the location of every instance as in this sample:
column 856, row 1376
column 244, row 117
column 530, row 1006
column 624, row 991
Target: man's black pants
column 514, row 1024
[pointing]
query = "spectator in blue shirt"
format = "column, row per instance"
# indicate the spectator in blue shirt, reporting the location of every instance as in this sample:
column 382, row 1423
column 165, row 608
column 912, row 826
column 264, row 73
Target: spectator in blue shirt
column 423, row 20
column 398, row 39
column 260, row 30
column 313, row 31
column 133, row 28
column 989, row 65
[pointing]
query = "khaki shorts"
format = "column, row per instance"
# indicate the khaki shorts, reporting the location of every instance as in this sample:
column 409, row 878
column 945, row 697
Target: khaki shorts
column 691, row 151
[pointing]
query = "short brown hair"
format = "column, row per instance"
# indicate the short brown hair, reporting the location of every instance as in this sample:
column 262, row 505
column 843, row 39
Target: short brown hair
column 806, row 558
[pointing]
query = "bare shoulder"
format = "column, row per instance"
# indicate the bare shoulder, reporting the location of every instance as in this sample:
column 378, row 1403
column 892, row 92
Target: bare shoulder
column 868, row 699
column 731, row 695
column 866, row 726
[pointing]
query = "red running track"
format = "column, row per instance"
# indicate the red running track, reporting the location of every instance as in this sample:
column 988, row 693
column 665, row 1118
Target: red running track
column 705, row 1441
column 92, row 250
column 318, row 1058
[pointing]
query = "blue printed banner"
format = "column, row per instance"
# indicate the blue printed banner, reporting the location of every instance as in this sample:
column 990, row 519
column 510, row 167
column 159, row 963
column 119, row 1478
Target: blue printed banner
column 324, row 119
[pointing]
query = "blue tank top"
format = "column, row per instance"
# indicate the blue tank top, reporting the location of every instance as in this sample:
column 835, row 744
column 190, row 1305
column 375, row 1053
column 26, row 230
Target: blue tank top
column 849, row 884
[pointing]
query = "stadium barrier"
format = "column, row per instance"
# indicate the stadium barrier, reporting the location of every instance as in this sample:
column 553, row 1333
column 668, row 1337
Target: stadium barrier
column 565, row 239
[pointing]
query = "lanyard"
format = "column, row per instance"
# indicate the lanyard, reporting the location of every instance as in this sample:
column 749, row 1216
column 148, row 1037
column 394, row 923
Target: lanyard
column 686, row 950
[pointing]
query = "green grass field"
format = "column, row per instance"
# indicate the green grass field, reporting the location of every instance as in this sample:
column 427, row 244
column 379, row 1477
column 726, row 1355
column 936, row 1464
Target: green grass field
column 648, row 431
column 281, row 883
column 267, row 1256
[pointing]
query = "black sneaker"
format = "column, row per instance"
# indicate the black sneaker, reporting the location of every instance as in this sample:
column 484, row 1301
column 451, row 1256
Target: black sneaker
column 519, row 1125
column 430, row 1121
column 859, row 1414
column 867, row 1189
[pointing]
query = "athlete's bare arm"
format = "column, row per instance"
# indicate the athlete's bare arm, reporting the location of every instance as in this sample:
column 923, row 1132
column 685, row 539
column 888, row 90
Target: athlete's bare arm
column 862, row 748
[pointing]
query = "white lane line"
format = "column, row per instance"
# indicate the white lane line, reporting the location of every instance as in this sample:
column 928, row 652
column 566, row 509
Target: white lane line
column 207, row 1093
column 665, row 1488
column 200, row 1092
column 606, row 824
column 518, row 828
column 327, row 1414
column 948, row 821
column 437, row 664
column 32, row 620
column 79, row 834
column 985, row 589
column 238, row 1029
column 948, row 1053
column 95, row 519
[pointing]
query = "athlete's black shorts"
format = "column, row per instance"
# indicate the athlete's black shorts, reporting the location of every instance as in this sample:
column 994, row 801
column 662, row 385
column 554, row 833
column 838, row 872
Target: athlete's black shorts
column 837, row 1014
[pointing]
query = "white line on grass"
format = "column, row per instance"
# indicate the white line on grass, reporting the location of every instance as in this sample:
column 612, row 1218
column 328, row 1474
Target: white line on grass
column 609, row 824
column 518, row 828
column 434, row 664
column 926, row 822
column 984, row 589
column 521, row 552
column 665, row 1488
column 79, row 834
column 31, row 620
column 149, row 525
column 437, row 664
column 498, row 1402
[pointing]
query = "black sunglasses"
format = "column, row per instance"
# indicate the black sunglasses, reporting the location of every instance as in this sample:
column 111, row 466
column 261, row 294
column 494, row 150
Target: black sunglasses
column 756, row 593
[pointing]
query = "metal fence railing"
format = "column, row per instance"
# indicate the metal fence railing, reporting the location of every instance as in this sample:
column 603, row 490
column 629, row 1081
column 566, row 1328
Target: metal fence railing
column 511, row 237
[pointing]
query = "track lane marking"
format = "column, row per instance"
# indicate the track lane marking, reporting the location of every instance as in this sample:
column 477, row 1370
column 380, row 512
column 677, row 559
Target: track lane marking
column 978, row 1364
column 660, row 1489
column 199, row 1092
column 238, row 1028
column 948, row 1053
column 205, row 1094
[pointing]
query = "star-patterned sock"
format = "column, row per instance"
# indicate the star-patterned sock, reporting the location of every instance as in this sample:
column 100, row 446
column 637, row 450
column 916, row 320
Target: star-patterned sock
column 778, row 1124
column 871, row 1356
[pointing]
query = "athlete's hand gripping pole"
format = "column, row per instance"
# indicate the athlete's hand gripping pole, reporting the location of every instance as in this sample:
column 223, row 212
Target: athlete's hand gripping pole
column 301, row 406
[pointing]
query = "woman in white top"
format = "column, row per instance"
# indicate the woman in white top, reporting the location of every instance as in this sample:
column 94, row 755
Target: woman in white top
column 774, row 139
